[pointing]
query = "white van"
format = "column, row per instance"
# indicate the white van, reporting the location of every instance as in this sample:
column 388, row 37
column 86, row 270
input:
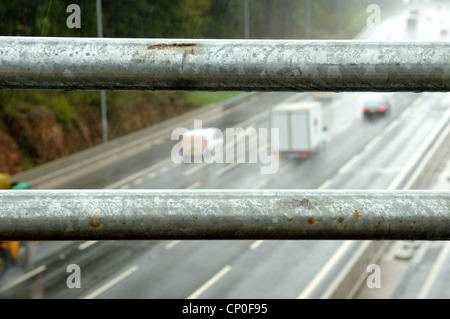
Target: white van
column 195, row 142
column 301, row 128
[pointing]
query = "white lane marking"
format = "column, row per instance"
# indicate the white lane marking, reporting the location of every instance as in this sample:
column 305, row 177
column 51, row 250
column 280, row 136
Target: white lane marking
column 138, row 181
column 87, row 244
column 126, row 186
column 195, row 185
column 171, row 244
column 325, row 270
column 262, row 148
column 252, row 119
column 238, row 138
column 139, row 174
column 111, row 283
column 195, row 169
column 210, row 282
column 372, row 142
column 151, row 175
column 391, row 126
column 260, row 184
column 164, row 169
column 23, row 278
column 416, row 102
column 433, row 275
column 405, row 112
column 349, row 163
column 419, row 153
column 226, row 168
column 324, row 184
column 292, row 98
column 256, row 244
column 158, row 141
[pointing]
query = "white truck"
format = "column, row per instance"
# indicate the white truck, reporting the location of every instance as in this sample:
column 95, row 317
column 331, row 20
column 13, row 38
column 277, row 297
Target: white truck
column 301, row 129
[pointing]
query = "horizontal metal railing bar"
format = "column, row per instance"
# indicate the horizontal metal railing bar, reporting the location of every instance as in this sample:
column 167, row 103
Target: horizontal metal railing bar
column 222, row 65
column 224, row 214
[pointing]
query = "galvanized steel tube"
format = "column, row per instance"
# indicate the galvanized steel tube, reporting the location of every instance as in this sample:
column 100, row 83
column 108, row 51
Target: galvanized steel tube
column 222, row 65
column 224, row 214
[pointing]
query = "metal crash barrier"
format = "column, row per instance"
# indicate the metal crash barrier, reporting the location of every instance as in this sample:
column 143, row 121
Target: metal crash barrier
column 224, row 214
column 221, row 65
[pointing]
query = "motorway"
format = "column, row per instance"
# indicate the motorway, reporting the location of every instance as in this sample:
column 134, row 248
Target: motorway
column 359, row 154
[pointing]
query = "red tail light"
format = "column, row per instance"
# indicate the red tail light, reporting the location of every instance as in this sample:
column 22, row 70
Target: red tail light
column 303, row 155
column 381, row 109
column 205, row 143
column 279, row 155
column 364, row 109
column 3, row 245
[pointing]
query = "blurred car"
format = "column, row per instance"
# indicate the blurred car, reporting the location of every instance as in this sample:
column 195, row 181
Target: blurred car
column 414, row 12
column 411, row 23
column 322, row 96
column 376, row 108
column 196, row 142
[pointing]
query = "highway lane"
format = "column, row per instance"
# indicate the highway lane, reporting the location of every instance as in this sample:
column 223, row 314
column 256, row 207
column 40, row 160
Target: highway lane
column 187, row 259
column 158, row 153
column 420, row 269
column 218, row 269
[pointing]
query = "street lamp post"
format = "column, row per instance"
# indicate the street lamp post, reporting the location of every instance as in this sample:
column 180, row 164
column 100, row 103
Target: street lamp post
column 308, row 19
column 102, row 93
column 246, row 19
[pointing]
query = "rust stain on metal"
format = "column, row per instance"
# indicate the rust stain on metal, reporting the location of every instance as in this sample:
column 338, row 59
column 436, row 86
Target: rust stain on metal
column 356, row 214
column 411, row 227
column 340, row 220
column 414, row 221
column 195, row 217
column 94, row 220
column 289, row 219
column 303, row 202
column 173, row 45
column 170, row 45
column 345, row 226
column 379, row 222
column 311, row 220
